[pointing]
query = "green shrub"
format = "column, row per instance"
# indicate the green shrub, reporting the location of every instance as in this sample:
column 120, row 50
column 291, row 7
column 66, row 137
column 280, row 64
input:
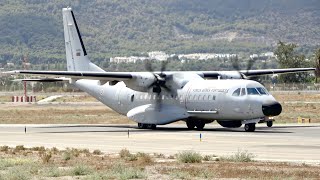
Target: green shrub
column 121, row 171
column 4, row 148
column 54, row 150
column 207, row 158
column 239, row 156
column 20, row 148
column 97, row 152
column 45, row 157
column 189, row 157
column 16, row 173
column 53, row 171
column 85, row 151
column 81, row 170
column 41, row 149
column 66, row 155
column 144, row 159
column 124, row 153
column 75, row 152
column 100, row 176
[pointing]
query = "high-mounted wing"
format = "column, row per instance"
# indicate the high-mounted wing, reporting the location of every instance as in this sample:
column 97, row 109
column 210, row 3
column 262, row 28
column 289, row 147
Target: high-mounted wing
column 248, row 73
column 107, row 76
column 275, row 71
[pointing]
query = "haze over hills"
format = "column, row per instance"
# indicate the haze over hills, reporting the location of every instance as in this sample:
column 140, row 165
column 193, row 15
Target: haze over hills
column 125, row 27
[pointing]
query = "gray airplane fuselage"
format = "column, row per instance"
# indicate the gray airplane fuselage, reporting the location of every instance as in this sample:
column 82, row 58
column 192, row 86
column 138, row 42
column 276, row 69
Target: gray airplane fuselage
column 206, row 99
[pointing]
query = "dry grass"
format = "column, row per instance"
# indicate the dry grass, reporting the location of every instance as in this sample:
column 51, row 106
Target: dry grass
column 295, row 104
column 59, row 114
column 84, row 166
column 76, row 98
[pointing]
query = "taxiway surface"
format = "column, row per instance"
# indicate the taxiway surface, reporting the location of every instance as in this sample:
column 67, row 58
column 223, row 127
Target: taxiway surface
column 296, row 142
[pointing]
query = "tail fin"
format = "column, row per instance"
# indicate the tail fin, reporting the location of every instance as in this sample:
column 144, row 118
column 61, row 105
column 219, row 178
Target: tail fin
column 76, row 53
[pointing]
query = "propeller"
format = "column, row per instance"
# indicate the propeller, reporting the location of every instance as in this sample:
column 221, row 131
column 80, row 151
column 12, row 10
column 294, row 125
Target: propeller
column 236, row 66
column 159, row 83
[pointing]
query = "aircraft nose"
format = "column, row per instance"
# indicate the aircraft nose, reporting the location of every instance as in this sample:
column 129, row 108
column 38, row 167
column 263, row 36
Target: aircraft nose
column 272, row 109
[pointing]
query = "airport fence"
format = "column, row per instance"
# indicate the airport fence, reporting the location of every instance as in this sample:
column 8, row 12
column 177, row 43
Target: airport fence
column 293, row 87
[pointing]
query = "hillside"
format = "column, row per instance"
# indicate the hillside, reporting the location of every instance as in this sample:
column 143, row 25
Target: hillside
column 124, row 27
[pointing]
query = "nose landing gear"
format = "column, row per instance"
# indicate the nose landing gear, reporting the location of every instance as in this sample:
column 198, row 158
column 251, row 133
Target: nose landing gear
column 269, row 123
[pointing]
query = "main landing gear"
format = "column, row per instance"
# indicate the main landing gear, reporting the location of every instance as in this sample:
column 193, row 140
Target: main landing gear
column 251, row 127
column 191, row 124
column 146, row 126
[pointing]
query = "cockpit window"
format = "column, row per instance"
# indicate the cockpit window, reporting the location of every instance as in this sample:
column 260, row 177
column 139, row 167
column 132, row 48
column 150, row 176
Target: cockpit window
column 252, row 91
column 236, row 92
column 262, row 90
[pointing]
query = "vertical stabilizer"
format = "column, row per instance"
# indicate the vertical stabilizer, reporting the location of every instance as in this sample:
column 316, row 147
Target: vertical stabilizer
column 76, row 53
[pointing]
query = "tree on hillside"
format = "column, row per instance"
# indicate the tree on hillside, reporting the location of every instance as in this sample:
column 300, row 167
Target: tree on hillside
column 288, row 58
column 317, row 63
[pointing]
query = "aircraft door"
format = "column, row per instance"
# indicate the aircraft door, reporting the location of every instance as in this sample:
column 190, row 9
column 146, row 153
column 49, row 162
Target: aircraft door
column 123, row 99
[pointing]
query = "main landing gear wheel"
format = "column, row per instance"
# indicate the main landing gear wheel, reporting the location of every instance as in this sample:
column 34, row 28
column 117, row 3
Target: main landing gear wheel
column 269, row 123
column 200, row 125
column 190, row 125
column 146, row 126
column 251, row 127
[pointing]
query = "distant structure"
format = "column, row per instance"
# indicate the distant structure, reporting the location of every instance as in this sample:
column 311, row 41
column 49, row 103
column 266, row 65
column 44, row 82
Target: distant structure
column 10, row 64
column 131, row 59
column 205, row 56
column 158, row 55
column 162, row 56
column 263, row 56
column 154, row 55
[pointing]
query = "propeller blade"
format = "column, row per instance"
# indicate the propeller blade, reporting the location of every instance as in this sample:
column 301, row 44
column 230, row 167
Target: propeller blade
column 148, row 66
column 163, row 66
column 250, row 64
column 159, row 83
column 235, row 63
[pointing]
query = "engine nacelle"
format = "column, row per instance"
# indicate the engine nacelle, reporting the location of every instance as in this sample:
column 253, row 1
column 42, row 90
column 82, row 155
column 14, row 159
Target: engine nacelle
column 230, row 75
column 141, row 82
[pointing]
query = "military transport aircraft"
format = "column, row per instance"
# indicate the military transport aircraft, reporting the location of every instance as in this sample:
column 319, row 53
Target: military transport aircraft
column 158, row 98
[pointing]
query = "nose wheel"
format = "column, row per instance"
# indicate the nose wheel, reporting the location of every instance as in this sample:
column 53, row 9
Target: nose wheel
column 251, row 127
column 269, row 123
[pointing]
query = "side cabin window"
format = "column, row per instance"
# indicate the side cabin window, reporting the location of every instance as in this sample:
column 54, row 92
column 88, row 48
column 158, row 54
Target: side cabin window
column 252, row 91
column 236, row 92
